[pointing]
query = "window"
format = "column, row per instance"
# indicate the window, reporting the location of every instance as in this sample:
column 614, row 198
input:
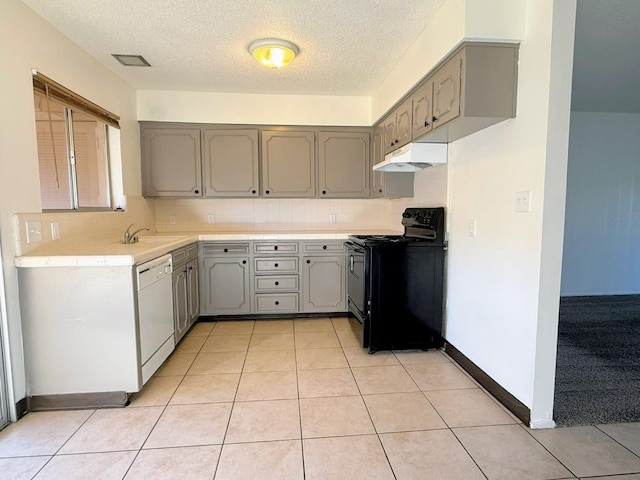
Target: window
column 73, row 148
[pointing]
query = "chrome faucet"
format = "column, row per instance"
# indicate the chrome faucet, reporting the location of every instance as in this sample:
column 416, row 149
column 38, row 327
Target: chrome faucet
column 132, row 237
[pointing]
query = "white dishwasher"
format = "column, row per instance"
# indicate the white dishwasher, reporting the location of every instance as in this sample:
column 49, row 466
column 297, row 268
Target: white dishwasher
column 155, row 313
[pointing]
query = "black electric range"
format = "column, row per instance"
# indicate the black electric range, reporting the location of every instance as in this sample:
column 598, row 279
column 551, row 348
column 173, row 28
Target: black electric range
column 395, row 283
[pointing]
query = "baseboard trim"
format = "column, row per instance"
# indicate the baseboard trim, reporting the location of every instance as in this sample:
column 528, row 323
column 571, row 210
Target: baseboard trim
column 270, row 316
column 39, row 403
column 514, row 405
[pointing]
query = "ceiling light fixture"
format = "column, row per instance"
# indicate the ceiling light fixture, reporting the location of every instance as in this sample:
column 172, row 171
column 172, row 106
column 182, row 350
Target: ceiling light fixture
column 273, row 52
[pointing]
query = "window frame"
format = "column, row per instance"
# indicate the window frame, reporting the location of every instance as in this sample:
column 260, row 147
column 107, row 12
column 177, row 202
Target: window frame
column 73, row 102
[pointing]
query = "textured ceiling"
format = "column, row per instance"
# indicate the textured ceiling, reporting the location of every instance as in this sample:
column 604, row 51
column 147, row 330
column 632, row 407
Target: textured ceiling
column 347, row 47
column 606, row 69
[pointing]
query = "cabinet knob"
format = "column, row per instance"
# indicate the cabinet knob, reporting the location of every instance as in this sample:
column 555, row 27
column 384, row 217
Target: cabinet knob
column 275, row 265
column 434, row 119
column 324, row 192
column 275, row 247
column 277, row 283
column 380, row 191
column 196, row 191
column 426, row 124
column 190, row 268
column 277, row 302
column 253, row 191
column 324, row 247
column 244, row 262
column 226, row 250
column 267, row 192
column 308, row 261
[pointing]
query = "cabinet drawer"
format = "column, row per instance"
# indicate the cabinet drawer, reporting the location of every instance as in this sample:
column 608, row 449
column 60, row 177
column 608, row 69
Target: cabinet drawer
column 280, row 265
column 274, row 283
column 275, row 247
column 178, row 256
column 276, row 302
column 323, row 247
column 225, row 248
column 192, row 250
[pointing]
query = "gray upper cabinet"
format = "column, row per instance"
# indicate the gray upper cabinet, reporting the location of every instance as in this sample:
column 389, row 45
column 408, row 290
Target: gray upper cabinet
column 230, row 162
column 390, row 184
column 288, row 163
column 397, row 127
column 446, row 92
column 422, row 104
column 344, row 168
column 474, row 89
column 171, row 162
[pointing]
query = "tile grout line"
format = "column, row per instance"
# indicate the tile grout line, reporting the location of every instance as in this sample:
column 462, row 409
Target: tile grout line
column 618, row 442
column 527, row 430
column 295, row 361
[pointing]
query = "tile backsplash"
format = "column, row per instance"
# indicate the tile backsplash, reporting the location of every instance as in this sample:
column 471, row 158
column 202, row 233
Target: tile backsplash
column 247, row 215
column 83, row 227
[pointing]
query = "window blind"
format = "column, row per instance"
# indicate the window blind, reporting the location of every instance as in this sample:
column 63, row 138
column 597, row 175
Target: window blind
column 62, row 94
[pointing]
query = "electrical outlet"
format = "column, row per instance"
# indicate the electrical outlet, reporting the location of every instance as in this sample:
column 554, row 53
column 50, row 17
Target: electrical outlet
column 172, row 219
column 55, row 231
column 332, row 218
column 523, row 201
column 34, row 232
column 472, row 228
column 211, row 218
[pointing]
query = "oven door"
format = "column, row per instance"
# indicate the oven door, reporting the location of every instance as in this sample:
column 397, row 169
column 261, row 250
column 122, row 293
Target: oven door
column 356, row 281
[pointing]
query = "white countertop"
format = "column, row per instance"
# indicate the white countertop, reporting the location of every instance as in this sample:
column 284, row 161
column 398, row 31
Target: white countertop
column 114, row 253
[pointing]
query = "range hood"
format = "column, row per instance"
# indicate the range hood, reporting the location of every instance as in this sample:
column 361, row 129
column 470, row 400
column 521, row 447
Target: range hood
column 413, row 157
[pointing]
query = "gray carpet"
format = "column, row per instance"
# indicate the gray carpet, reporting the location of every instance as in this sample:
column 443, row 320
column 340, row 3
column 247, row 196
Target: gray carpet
column 598, row 363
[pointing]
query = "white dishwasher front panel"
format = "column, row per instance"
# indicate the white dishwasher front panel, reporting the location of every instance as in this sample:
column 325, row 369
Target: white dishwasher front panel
column 155, row 310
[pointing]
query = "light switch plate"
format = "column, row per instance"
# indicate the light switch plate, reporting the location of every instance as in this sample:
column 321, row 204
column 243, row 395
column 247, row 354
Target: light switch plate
column 523, row 201
column 34, row 232
column 211, row 218
column 55, row 230
column 332, row 218
column 472, row 228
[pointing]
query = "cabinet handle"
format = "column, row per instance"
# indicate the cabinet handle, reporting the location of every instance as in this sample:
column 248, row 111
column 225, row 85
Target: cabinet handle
column 380, row 191
column 276, row 247
column 434, row 119
column 190, row 268
column 308, row 261
column 324, row 247
column 253, row 191
column 277, row 302
column 324, row 192
column 244, row 262
column 277, row 283
column 275, row 265
column 267, row 192
column 196, row 191
column 226, row 250
column 426, row 124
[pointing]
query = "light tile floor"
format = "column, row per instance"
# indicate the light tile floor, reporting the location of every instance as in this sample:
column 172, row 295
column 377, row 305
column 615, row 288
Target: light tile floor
column 298, row 399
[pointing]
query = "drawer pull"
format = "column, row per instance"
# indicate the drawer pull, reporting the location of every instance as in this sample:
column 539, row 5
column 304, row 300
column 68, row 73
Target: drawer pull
column 275, row 265
column 277, row 302
column 277, row 283
column 276, row 247
column 244, row 262
column 324, row 247
column 308, row 261
column 226, row 250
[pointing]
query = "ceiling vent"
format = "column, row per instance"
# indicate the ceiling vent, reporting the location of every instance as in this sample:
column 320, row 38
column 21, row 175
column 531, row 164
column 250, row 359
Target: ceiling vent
column 131, row 60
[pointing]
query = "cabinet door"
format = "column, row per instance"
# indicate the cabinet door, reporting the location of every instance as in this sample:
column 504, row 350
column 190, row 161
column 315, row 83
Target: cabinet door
column 343, row 164
column 446, row 92
column 377, row 188
column 180, row 303
column 193, row 291
column 404, row 123
column 288, row 164
column 324, row 284
column 230, row 163
column 225, row 286
column 422, row 110
column 171, row 161
column 389, row 133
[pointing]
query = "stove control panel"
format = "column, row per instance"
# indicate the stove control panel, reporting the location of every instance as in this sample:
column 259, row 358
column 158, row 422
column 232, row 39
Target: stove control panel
column 424, row 223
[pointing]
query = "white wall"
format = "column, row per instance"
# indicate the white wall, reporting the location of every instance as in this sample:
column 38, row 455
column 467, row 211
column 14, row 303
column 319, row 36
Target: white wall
column 27, row 42
column 503, row 285
column 602, row 226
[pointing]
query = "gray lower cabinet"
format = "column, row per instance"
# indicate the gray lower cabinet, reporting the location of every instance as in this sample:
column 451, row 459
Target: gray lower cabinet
column 323, row 281
column 186, row 295
column 171, row 161
column 288, row 163
column 230, row 162
column 344, row 167
column 225, row 279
